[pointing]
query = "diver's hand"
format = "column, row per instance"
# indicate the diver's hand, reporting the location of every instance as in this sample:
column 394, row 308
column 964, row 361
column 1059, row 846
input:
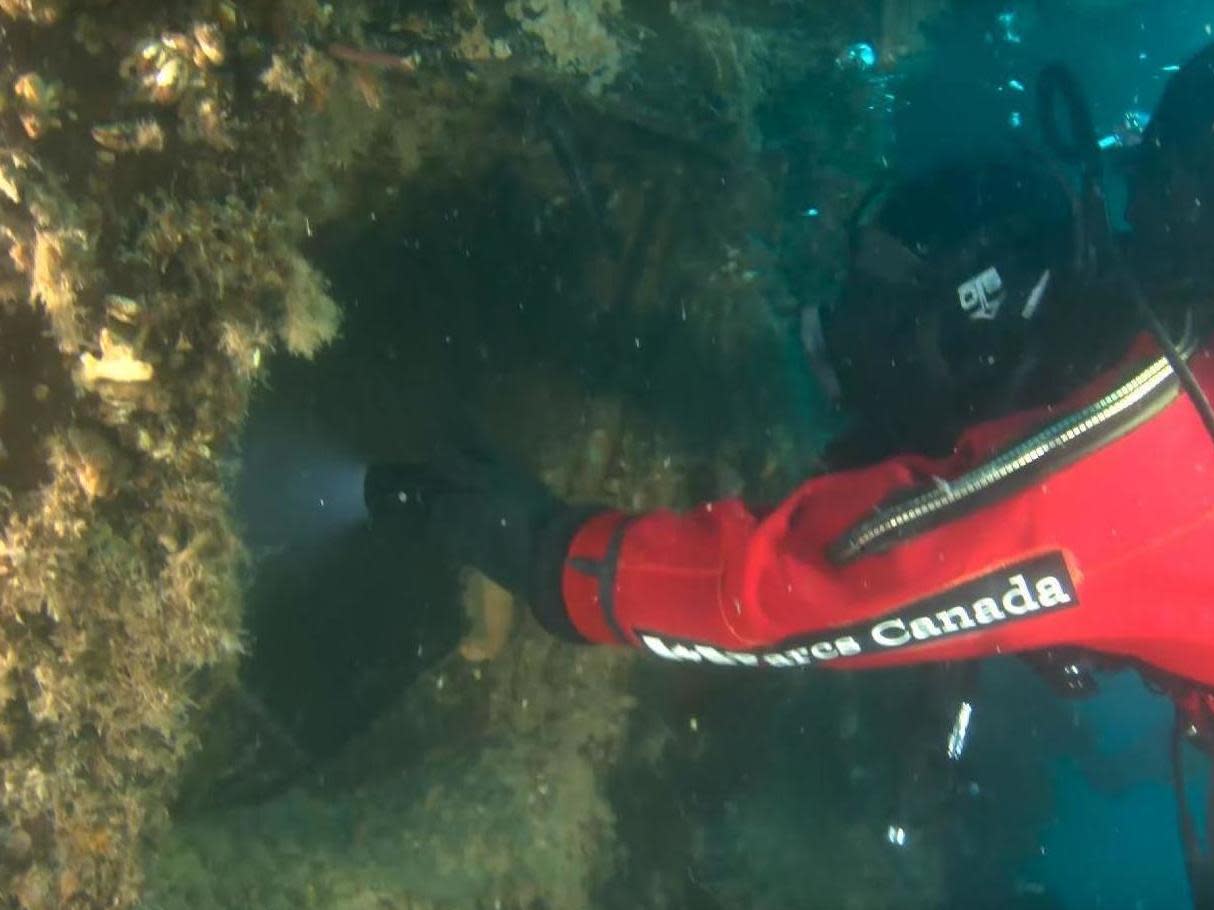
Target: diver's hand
column 489, row 515
column 483, row 511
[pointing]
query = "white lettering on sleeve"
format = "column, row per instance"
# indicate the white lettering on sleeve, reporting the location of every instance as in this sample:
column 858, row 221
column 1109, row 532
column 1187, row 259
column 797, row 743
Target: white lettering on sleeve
column 1051, row 593
column 848, row 646
column 962, row 618
column 922, row 628
column 987, row 611
column 823, row 650
column 891, row 633
column 713, row 656
column 1019, row 599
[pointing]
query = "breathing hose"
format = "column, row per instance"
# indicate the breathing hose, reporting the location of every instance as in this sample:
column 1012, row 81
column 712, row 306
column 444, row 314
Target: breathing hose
column 1058, row 92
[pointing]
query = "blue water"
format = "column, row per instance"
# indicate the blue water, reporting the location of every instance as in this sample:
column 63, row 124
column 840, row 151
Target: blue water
column 961, row 98
column 1110, row 836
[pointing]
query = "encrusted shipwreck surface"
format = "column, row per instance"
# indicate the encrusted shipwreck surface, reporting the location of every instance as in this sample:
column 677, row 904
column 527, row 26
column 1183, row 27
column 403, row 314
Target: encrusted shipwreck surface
column 165, row 169
column 150, row 262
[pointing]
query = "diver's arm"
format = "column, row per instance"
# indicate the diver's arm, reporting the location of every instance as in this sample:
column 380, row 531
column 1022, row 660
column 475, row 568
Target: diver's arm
column 1110, row 553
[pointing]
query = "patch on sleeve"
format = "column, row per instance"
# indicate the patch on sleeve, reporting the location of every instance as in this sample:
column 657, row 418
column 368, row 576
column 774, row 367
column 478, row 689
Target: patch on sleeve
column 1014, row 593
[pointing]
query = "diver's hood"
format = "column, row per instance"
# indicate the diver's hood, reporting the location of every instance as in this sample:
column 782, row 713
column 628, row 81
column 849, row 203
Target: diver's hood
column 962, row 299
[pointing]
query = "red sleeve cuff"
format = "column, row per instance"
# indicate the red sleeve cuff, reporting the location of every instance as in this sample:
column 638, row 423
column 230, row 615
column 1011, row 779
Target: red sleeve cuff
column 588, row 579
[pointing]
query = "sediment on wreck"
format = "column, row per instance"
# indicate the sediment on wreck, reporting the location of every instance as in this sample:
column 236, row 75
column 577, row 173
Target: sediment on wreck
column 169, row 175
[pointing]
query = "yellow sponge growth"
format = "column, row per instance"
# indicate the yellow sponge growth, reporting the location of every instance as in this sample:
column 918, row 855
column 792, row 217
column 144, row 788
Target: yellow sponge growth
column 311, row 318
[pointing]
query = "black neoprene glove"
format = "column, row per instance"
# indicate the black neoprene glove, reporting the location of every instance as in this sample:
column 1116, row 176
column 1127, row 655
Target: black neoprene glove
column 488, row 514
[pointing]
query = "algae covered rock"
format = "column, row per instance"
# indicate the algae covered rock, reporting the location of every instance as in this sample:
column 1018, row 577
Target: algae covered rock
column 120, row 570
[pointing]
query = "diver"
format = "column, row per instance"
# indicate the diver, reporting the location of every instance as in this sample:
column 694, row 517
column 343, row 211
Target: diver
column 1049, row 379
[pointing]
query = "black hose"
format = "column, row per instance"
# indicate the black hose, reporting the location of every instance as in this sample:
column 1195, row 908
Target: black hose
column 1058, row 84
column 1176, row 360
column 1198, row 863
column 1068, row 132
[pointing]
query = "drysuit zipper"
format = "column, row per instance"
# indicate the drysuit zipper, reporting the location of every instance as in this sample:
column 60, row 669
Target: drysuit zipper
column 1136, row 400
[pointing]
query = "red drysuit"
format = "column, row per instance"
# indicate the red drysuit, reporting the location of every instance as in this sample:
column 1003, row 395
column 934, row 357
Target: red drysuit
column 1113, row 553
